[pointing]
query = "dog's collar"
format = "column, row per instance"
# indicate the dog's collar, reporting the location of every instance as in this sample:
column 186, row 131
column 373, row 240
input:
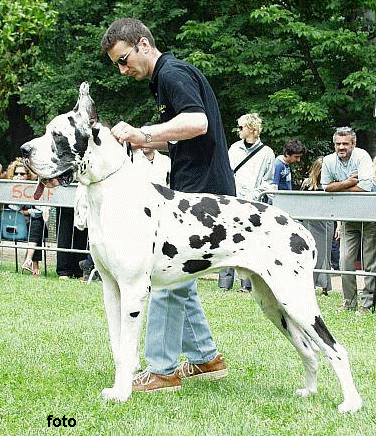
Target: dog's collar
column 110, row 174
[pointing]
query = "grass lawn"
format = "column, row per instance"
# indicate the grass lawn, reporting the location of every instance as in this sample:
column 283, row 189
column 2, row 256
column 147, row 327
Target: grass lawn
column 55, row 359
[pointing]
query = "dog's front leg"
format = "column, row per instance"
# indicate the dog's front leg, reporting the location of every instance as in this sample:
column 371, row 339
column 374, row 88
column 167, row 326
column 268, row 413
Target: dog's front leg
column 126, row 361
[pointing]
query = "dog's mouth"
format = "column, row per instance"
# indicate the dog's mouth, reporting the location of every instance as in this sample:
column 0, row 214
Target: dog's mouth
column 64, row 179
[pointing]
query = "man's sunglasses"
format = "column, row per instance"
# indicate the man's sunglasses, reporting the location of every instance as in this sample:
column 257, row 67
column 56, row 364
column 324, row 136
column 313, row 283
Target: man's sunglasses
column 123, row 59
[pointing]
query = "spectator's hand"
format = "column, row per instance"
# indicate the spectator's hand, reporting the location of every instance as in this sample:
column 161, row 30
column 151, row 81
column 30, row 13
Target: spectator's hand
column 353, row 179
column 337, row 234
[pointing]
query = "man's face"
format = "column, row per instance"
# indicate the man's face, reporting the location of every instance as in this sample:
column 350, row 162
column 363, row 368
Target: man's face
column 130, row 60
column 344, row 146
column 293, row 158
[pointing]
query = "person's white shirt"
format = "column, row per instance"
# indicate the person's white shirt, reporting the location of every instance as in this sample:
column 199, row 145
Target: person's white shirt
column 256, row 175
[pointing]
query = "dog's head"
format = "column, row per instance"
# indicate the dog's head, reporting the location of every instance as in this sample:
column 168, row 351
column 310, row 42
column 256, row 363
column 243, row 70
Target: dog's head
column 56, row 156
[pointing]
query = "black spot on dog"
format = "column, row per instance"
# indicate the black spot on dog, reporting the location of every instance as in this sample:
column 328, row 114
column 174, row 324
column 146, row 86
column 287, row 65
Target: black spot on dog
column 241, row 201
column 255, row 220
column 281, row 220
column 147, row 211
column 215, row 238
column 134, row 314
column 82, row 142
column 296, row 272
column 183, row 205
column 298, row 244
column 205, row 210
column 169, row 250
column 283, row 322
column 323, row 332
column 62, row 147
column 277, row 262
column 223, row 200
column 196, row 242
column 71, row 121
column 207, row 256
column 96, row 138
column 167, row 193
column 236, row 219
column 261, row 207
column 193, row 266
column 238, row 238
column 248, row 229
column 153, row 248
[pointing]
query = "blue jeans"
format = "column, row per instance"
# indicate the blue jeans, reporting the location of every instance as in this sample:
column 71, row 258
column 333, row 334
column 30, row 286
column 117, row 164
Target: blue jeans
column 177, row 324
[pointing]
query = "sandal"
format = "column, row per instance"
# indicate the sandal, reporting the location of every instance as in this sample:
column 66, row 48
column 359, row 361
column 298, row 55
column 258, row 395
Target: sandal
column 28, row 265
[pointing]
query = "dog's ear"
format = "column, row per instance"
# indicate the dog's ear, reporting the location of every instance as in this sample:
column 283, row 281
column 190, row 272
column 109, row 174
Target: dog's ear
column 85, row 104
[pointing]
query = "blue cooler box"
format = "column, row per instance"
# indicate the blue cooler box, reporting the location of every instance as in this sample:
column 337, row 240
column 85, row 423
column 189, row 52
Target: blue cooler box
column 12, row 225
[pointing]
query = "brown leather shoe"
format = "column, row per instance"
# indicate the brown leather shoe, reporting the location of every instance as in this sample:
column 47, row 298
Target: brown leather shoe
column 150, row 382
column 214, row 369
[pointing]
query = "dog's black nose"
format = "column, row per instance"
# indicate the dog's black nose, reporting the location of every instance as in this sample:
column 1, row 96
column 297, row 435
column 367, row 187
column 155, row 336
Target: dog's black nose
column 25, row 149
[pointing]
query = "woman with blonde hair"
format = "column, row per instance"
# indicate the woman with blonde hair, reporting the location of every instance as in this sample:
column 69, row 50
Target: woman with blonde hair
column 253, row 165
column 33, row 216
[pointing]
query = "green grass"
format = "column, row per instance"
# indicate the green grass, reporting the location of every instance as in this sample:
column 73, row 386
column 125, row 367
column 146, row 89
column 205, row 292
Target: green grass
column 55, row 359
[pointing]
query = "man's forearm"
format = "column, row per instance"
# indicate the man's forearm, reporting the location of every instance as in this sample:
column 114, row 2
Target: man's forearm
column 344, row 186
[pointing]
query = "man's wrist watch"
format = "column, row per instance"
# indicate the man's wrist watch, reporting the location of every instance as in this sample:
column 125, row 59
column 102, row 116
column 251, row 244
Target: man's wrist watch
column 146, row 132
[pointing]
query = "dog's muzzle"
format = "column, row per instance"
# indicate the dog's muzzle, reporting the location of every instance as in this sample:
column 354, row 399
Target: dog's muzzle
column 65, row 177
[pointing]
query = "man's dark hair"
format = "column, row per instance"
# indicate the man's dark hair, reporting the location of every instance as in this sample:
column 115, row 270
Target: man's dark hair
column 129, row 30
column 293, row 146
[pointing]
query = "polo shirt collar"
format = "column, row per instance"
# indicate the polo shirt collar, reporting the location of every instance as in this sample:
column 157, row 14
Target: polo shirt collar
column 159, row 64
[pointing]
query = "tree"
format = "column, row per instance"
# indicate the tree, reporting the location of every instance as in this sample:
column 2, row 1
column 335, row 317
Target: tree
column 305, row 67
column 23, row 24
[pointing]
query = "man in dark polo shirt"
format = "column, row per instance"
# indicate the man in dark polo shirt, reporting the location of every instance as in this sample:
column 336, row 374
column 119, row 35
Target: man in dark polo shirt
column 191, row 127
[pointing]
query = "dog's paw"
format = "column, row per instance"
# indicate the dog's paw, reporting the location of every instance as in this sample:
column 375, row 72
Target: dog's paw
column 351, row 405
column 114, row 395
column 305, row 392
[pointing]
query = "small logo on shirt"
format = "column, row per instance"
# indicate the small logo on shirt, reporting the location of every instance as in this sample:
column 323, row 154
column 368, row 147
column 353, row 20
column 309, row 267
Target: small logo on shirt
column 161, row 109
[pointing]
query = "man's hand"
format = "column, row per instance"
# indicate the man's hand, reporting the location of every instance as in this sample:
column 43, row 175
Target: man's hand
column 124, row 132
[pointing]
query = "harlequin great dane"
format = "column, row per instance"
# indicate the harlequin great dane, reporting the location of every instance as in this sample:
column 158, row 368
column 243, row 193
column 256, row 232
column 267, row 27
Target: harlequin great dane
column 144, row 236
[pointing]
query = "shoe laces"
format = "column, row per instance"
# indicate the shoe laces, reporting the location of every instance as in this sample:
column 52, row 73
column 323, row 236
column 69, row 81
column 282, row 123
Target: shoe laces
column 188, row 369
column 142, row 378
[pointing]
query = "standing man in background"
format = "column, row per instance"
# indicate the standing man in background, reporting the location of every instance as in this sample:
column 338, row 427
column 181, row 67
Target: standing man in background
column 350, row 169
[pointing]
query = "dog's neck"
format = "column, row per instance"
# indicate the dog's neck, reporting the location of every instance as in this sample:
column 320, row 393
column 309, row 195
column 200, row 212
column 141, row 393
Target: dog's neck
column 104, row 157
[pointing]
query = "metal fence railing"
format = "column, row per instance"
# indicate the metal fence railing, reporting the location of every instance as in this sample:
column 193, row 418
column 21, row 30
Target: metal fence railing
column 14, row 234
column 335, row 206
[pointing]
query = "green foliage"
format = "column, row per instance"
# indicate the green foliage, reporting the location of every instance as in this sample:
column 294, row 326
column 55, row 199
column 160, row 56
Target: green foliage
column 305, row 67
column 23, row 23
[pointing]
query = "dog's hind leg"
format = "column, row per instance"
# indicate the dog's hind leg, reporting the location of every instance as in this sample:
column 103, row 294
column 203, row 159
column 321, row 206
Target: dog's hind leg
column 309, row 335
column 306, row 348
column 338, row 358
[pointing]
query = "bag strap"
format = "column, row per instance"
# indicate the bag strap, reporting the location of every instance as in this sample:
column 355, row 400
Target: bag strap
column 252, row 153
